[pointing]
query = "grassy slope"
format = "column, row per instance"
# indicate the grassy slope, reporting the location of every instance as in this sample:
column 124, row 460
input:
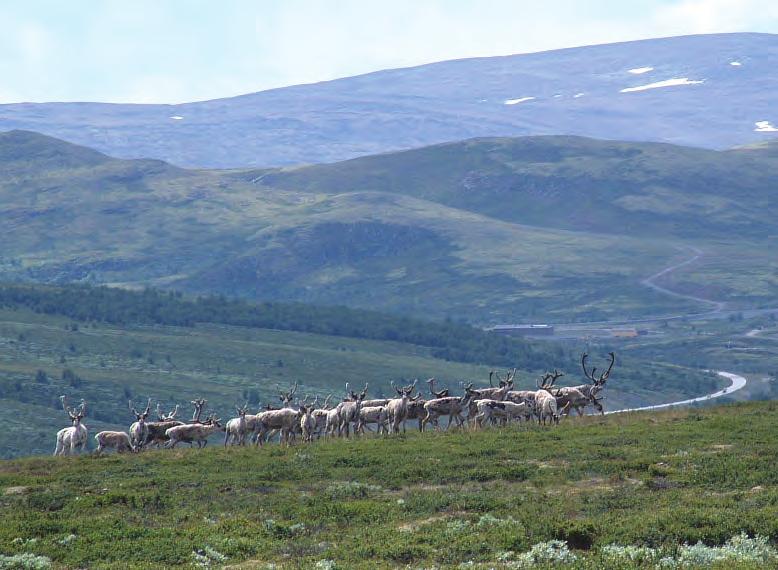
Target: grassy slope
column 645, row 479
column 221, row 363
column 73, row 214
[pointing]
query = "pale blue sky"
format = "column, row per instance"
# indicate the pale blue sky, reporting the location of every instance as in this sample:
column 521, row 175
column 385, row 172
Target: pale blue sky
column 184, row 50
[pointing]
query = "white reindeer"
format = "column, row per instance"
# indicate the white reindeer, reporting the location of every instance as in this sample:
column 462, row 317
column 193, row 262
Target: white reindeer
column 118, row 440
column 378, row 415
column 75, row 436
column 348, row 410
column 450, row 406
column 139, row 431
column 191, row 433
column 307, row 423
column 545, row 401
column 237, row 428
column 397, row 408
column 490, row 410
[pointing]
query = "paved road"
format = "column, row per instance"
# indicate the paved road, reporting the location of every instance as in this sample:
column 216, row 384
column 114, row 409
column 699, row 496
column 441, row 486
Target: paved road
column 737, row 382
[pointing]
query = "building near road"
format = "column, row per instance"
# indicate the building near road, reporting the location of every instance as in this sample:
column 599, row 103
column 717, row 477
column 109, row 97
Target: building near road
column 523, row 330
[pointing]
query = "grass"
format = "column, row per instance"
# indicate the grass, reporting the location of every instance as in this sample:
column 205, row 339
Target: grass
column 442, row 499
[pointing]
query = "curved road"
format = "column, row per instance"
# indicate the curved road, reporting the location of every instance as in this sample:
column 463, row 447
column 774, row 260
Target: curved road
column 737, row 382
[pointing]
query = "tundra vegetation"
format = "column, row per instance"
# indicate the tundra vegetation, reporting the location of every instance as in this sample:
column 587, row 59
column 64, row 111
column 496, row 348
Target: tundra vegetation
column 684, row 488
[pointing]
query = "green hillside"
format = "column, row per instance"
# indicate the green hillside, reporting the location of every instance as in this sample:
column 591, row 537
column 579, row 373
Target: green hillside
column 390, row 232
column 570, row 183
column 622, row 492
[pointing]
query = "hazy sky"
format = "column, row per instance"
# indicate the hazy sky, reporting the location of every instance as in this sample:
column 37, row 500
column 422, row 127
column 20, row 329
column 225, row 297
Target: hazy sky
column 185, row 50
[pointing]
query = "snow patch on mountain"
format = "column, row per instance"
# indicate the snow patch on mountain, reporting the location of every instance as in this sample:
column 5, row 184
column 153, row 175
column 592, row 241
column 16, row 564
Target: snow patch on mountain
column 639, row 70
column 176, row 117
column 735, row 63
column 665, row 83
column 765, row 127
column 517, row 101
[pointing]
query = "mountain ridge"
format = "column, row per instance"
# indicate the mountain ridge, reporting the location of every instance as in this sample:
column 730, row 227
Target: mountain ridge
column 570, row 91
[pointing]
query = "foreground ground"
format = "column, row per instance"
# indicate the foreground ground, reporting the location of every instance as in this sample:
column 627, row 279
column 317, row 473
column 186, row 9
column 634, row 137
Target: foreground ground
column 658, row 480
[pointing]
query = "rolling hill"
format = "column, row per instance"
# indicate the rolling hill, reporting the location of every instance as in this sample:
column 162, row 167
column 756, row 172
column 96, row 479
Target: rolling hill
column 510, row 228
column 713, row 91
column 622, row 492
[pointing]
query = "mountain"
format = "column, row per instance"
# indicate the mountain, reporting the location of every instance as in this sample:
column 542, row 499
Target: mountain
column 714, row 91
column 547, row 228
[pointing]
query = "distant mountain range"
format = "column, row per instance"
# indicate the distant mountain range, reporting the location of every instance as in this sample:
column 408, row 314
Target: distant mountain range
column 714, row 91
column 510, row 228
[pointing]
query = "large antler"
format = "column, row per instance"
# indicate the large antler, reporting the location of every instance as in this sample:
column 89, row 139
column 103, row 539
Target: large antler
column 597, row 381
column 199, row 405
column 440, row 394
column 604, row 377
column 589, row 376
column 70, row 413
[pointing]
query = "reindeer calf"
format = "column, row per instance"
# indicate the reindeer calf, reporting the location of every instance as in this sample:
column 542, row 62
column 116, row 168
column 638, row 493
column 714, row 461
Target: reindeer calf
column 118, row 440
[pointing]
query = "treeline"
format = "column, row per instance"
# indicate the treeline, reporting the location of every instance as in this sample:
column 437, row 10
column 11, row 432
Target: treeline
column 447, row 340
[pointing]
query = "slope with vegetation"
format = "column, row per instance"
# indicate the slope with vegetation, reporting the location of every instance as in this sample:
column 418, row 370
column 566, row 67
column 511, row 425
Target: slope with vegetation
column 108, row 346
column 524, row 229
column 621, row 492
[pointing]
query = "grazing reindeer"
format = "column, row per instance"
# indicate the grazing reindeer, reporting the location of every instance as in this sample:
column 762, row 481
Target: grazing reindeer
column 138, row 430
column 196, row 432
column 545, row 401
column 489, row 410
column 236, row 429
column 307, row 422
column 568, row 399
column 348, row 410
column 450, row 406
column 70, row 438
column 491, row 393
column 397, row 408
column 156, row 431
column 378, row 415
column 118, row 440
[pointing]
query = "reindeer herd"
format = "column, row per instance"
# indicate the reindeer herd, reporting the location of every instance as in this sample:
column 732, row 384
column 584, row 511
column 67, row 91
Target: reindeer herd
column 497, row 404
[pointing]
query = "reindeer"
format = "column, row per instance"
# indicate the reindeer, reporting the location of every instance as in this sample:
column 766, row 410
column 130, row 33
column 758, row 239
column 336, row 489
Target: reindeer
column 488, row 410
column 195, row 432
column 75, row 436
column 588, row 391
column 348, row 409
column 320, row 415
column 545, row 401
column 287, row 397
column 378, row 415
column 307, row 422
column 491, row 393
column 156, row 431
column 568, row 399
column 138, row 430
column 415, row 411
column 450, row 406
column 397, row 408
column 284, row 420
column 119, row 440
column 438, row 394
column 236, row 429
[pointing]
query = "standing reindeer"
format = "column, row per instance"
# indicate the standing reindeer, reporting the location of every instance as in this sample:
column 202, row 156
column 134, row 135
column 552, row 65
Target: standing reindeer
column 194, row 432
column 450, row 406
column 236, row 429
column 597, row 383
column 545, row 402
column 397, row 408
column 348, row 410
column 118, row 440
column 156, row 431
column 307, row 422
column 138, row 430
column 75, row 436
